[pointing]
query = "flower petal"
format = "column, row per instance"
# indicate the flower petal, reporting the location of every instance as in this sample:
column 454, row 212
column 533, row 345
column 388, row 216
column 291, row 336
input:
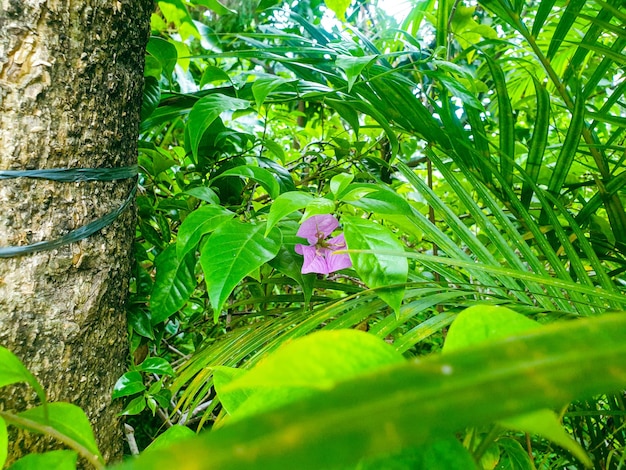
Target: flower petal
column 337, row 243
column 317, row 228
column 335, row 262
column 314, row 260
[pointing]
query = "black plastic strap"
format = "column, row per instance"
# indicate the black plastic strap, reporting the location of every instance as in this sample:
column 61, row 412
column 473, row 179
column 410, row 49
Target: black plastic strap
column 71, row 237
column 71, row 175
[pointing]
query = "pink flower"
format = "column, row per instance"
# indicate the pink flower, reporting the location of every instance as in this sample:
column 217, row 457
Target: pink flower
column 319, row 256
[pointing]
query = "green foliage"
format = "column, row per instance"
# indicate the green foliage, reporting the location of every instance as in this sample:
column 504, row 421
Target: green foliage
column 65, row 422
column 472, row 154
column 398, row 405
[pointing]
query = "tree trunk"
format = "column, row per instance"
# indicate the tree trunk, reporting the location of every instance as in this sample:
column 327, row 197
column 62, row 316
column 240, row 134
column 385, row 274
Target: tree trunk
column 71, row 76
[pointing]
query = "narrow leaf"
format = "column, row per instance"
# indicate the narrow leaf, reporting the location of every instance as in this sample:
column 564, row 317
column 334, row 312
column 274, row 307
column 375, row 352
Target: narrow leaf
column 4, row 442
column 538, row 142
column 506, row 121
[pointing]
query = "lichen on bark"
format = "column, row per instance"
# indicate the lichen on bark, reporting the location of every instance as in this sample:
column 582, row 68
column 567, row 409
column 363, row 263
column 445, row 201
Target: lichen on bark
column 71, row 76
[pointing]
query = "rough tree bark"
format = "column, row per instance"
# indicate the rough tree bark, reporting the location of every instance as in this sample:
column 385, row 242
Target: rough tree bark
column 71, row 76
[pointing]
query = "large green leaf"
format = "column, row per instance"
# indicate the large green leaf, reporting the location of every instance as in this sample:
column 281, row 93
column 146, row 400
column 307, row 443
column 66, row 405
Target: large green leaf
column 174, row 283
column 203, row 220
column 13, row 371
column 402, row 406
column 487, row 323
column 302, row 367
column 68, row 420
column 205, row 111
column 377, row 270
column 233, row 251
column 285, row 204
column 55, row 459
column 444, row 454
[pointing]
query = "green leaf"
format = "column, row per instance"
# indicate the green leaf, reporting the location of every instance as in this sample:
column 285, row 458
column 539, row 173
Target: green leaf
column 4, row 442
column 151, row 97
column 156, row 365
column 171, row 435
column 205, row 111
column 128, row 384
column 339, row 7
column 67, row 419
column 175, row 282
column 233, row 399
column 264, row 86
column 217, row 6
column 371, row 198
column 306, row 365
column 445, row 454
column 506, row 121
column 397, row 407
column 260, row 175
column 13, row 371
column 233, row 251
column 377, row 270
column 318, row 205
column 538, row 142
column 204, row 194
column 165, row 52
column 546, row 423
column 339, row 183
column 135, row 406
column 513, row 456
column 353, row 66
column 284, row 205
column 55, row 459
column 203, row 220
column 213, row 74
column 482, row 323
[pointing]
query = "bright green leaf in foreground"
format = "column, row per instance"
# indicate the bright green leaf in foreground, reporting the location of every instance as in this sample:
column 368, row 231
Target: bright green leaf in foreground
column 4, row 442
column 308, row 364
column 69, row 420
column 13, row 371
column 402, row 406
column 486, row 322
column 55, row 459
